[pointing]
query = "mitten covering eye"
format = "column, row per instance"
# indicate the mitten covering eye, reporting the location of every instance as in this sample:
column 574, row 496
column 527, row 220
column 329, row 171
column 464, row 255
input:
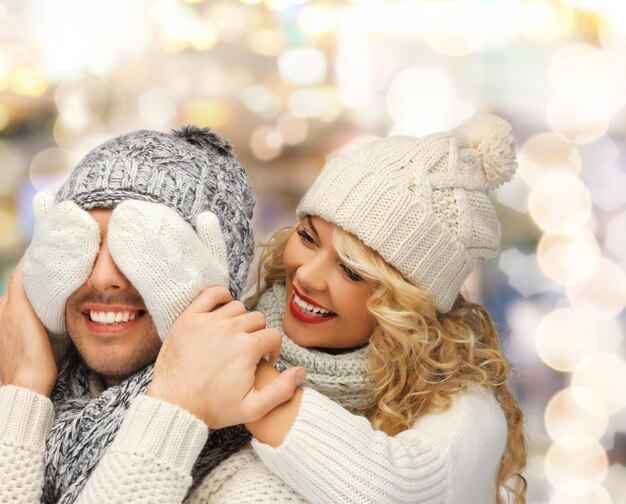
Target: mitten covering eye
column 163, row 257
column 59, row 259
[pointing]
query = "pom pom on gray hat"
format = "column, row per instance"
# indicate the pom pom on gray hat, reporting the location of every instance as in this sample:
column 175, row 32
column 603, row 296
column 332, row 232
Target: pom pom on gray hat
column 191, row 170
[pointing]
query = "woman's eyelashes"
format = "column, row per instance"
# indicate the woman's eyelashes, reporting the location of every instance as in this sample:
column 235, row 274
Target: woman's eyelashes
column 355, row 277
column 306, row 236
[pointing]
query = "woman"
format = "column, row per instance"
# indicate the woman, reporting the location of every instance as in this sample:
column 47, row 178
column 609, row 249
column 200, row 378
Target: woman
column 366, row 293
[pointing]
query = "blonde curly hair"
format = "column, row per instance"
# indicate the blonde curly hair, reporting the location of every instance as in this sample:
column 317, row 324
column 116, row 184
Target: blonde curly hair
column 419, row 358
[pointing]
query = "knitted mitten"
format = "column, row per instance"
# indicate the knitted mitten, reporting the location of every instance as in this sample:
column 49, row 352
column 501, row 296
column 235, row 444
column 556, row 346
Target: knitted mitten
column 59, row 259
column 167, row 262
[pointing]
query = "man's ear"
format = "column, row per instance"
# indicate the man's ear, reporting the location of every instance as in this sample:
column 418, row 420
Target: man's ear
column 210, row 232
column 42, row 203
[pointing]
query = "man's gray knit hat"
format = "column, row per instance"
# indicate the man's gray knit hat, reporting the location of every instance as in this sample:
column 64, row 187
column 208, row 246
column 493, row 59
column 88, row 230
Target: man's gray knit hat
column 191, row 170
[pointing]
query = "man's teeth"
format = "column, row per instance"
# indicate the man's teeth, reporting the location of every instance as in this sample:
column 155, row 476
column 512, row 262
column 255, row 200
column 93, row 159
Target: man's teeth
column 112, row 317
column 313, row 310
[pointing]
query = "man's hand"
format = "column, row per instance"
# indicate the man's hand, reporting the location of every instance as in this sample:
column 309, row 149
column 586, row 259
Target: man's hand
column 208, row 362
column 26, row 358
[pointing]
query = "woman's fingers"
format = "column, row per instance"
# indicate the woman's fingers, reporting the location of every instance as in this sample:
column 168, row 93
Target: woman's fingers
column 259, row 402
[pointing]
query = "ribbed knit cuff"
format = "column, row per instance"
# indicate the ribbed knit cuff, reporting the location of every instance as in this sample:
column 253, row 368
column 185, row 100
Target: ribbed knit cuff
column 26, row 417
column 162, row 431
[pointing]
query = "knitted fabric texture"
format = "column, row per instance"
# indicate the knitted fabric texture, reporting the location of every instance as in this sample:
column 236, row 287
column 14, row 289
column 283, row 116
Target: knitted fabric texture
column 342, row 377
column 191, row 170
column 85, row 426
column 422, row 203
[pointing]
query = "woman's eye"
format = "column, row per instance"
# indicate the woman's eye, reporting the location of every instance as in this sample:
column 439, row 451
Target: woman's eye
column 303, row 233
column 355, row 277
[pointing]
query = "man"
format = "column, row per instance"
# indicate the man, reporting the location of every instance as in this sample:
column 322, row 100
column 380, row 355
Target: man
column 122, row 259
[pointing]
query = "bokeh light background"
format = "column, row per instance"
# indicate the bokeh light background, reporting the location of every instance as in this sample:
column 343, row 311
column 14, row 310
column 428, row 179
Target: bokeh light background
column 290, row 82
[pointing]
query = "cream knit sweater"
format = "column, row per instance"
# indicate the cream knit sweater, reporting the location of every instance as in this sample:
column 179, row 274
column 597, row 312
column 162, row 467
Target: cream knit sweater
column 329, row 455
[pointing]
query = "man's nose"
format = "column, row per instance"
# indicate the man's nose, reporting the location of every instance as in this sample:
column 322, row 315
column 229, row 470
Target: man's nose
column 106, row 276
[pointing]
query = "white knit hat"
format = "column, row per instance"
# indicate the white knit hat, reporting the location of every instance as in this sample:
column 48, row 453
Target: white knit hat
column 422, row 203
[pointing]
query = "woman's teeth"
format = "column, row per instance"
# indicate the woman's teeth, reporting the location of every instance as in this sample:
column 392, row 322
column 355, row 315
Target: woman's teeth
column 316, row 311
column 112, row 317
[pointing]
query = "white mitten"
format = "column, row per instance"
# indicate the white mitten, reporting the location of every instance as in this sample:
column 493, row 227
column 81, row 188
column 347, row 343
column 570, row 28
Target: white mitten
column 59, row 259
column 167, row 262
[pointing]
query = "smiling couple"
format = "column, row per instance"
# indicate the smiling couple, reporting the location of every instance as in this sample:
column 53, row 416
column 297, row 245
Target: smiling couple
column 131, row 372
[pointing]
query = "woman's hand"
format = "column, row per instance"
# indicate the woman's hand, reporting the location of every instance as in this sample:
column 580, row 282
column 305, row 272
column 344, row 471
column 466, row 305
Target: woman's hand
column 208, row 362
column 26, row 357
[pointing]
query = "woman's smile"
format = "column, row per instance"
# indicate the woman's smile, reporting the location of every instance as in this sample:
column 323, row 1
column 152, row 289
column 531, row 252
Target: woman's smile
column 307, row 310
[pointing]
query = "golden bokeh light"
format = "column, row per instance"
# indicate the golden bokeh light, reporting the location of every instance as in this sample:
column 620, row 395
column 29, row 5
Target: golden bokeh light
column 49, row 168
column 564, row 338
column 603, row 295
column 604, row 374
column 302, row 66
column 568, row 424
column 544, row 152
column 567, row 467
column 545, row 20
column 582, row 492
column 559, row 202
column 266, row 143
column 568, row 259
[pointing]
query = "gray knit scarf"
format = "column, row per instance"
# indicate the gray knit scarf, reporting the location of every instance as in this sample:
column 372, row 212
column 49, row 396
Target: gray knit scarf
column 342, row 377
column 85, row 426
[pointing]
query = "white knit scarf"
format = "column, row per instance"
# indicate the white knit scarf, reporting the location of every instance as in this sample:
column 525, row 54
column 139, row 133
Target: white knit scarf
column 341, row 377
column 85, row 426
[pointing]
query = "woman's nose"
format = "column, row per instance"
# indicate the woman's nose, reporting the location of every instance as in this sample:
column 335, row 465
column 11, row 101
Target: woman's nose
column 312, row 274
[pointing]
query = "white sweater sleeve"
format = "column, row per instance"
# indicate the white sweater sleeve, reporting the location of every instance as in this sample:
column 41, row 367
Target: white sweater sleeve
column 151, row 458
column 331, row 455
column 25, row 420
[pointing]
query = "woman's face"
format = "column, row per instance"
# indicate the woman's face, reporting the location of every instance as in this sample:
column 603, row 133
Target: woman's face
column 325, row 299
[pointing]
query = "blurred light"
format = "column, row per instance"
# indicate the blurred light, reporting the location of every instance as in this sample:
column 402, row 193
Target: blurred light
column 603, row 296
column 28, row 82
column 564, row 338
column 332, row 108
column 251, row 2
column 582, row 492
column 355, row 70
column 591, row 88
column 231, row 20
column 49, row 168
column 461, row 27
column 574, row 121
column 277, row 4
column 302, row 66
column 293, row 130
column 11, row 168
column 568, row 259
column 11, row 237
column 513, row 194
column 266, row 143
column 318, row 19
column 559, row 202
column 181, row 28
column 306, row 103
column 522, row 271
column 544, row 152
column 157, row 107
column 566, row 467
column 262, row 101
column 568, row 424
column 352, row 145
column 211, row 113
column 543, row 20
column 615, row 235
column 423, row 92
column 604, row 374
column 80, row 101
column 4, row 117
column 266, row 42
column 612, row 28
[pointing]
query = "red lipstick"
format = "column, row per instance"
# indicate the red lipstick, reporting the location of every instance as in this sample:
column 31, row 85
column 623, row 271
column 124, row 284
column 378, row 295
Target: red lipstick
column 304, row 315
